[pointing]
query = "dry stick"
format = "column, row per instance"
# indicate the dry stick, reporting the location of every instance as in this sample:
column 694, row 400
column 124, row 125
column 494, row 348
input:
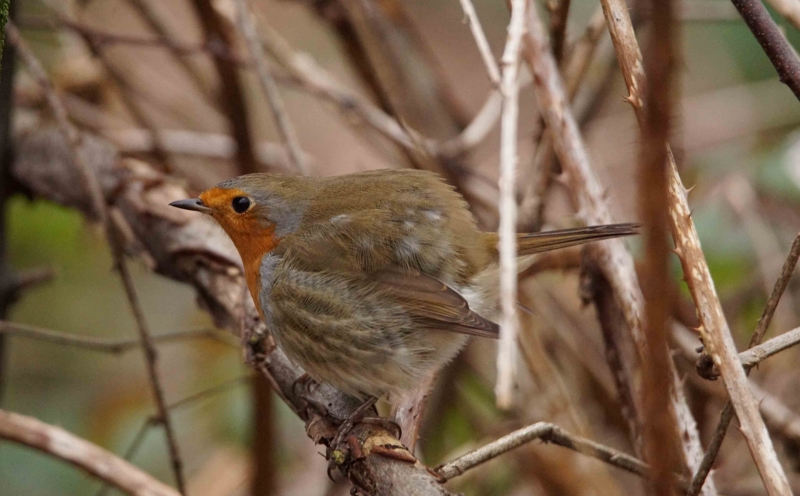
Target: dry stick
column 480, row 39
column 269, row 86
column 548, row 433
column 773, row 41
column 92, row 187
column 790, row 9
column 507, row 244
column 611, row 257
column 103, row 344
column 716, row 334
column 659, row 425
column 758, row 354
column 761, row 328
column 574, row 69
column 94, row 460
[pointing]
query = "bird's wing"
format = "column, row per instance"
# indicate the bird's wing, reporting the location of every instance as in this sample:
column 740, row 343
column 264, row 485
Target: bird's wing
column 432, row 303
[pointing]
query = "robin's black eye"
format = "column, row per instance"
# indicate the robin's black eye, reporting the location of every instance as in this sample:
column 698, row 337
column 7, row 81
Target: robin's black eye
column 240, row 204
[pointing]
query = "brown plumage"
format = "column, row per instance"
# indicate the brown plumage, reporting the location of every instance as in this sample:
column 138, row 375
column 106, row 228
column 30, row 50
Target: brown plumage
column 369, row 281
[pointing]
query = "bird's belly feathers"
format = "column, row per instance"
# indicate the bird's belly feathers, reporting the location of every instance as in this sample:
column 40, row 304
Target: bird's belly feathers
column 352, row 336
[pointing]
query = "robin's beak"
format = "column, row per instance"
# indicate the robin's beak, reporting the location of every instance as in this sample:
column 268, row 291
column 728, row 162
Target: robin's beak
column 195, row 204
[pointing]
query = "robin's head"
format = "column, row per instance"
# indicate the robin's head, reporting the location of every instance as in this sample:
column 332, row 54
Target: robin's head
column 263, row 206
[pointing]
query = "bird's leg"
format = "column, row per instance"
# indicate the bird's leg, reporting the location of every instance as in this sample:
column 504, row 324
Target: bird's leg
column 352, row 419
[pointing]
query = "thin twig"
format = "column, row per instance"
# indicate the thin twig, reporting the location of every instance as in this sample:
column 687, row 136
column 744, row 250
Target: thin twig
column 758, row 354
column 773, row 41
column 727, row 413
column 94, row 343
column 480, row 39
column 716, row 333
column 269, row 86
column 92, row 187
column 548, row 433
column 91, row 458
column 509, row 325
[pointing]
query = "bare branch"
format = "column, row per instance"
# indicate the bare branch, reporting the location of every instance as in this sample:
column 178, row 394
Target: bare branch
column 509, row 325
column 774, row 43
column 715, row 329
column 269, row 86
column 548, row 433
column 91, row 458
column 480, row 39
column 758, row 354
column 93, row 343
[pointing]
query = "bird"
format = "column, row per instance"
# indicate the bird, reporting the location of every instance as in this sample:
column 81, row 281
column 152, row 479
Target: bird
column 370, row 281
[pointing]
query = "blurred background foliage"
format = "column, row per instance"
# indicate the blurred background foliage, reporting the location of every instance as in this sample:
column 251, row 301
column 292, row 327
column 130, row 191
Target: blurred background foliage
column 737, row 141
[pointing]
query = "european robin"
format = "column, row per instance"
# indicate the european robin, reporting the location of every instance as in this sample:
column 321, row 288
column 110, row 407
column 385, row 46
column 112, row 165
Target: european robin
column 369, row 281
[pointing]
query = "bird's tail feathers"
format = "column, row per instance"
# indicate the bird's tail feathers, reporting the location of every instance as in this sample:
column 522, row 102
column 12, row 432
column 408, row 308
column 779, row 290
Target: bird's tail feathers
column 532, row 243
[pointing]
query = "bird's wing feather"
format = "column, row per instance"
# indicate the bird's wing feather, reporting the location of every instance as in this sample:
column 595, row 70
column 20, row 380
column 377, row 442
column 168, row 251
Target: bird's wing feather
column 433, row 303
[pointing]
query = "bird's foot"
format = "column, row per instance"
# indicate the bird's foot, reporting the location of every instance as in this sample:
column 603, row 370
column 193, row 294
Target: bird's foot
column 355, row 417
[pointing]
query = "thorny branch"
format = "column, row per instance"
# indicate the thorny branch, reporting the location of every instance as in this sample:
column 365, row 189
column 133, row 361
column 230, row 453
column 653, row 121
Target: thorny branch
column 716, row 333
column 764, row 321
column 611, row 258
